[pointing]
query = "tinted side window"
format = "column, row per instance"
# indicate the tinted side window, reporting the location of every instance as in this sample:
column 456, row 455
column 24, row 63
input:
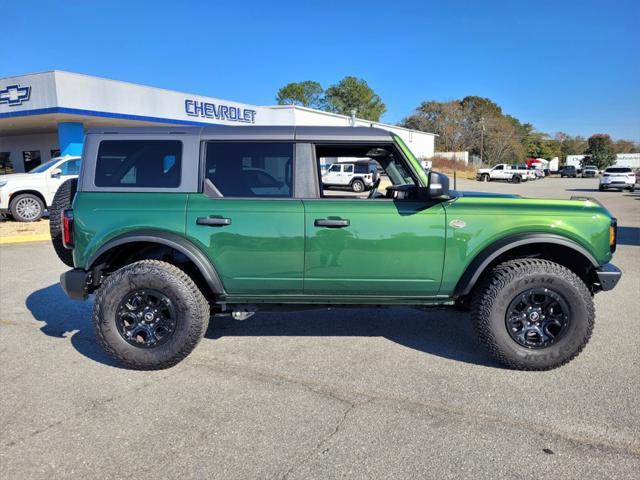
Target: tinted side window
column 251, row 169
column 139, row 163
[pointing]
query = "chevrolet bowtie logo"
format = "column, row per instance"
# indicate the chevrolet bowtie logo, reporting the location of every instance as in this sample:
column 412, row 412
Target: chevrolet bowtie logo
column 14, row 95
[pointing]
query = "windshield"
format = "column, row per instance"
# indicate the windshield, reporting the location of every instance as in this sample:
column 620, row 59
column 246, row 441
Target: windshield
column 45, row 166
column 413, row 160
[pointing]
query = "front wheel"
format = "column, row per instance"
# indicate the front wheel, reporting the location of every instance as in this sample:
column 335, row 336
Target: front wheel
column 149, row 315
column 26, row 208
column 533, row 314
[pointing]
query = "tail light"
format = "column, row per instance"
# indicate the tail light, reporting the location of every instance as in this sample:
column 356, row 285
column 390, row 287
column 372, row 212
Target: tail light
column 613, row 234
column 67, row 228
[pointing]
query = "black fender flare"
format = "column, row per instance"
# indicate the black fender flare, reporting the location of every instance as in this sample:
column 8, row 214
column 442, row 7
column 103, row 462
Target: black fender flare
column 181, row 244
column 489, row 254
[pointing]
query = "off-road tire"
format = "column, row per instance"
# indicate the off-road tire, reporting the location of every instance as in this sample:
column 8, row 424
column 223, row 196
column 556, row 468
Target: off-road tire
column 357, row 186
column 191, row 308
column 61, row 201
column 504, row 283
column 14, row 207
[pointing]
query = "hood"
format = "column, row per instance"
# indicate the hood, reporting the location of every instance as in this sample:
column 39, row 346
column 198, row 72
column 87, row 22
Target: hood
column 12, row 178
column 461, row 193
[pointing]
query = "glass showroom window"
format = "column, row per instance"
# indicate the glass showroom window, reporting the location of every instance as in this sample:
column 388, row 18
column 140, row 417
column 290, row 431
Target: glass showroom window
column 6, row 165
column 31, row 159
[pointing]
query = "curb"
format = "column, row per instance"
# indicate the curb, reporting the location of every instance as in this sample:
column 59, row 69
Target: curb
column 13, row 239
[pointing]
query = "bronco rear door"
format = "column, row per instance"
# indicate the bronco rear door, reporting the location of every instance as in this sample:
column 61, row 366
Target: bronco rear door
column 246, row 218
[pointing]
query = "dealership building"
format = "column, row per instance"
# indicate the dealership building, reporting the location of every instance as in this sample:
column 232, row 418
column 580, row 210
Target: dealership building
column 43, row 115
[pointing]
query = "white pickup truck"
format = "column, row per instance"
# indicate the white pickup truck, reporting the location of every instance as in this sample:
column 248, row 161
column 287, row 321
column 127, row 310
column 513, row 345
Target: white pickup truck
column 25, row 196
column 503, row 171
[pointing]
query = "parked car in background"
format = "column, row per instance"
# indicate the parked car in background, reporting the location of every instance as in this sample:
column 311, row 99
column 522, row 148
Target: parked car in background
column 589, row 171
column 504, row 171
column 568, row 171
column 622, row 178
column 26, row 196
column 359, row 176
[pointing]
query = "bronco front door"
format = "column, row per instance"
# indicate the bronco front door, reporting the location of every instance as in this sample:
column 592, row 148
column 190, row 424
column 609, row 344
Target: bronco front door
column 372, row 243
column 246, row 219
column 373, row 247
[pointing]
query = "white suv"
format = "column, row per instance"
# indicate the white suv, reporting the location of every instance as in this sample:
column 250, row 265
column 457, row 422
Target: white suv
column 26, row 195
column 360, row 175
column 618, row 177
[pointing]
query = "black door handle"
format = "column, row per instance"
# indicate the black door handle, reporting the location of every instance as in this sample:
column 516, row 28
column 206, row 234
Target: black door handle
column 213, row 221
column 331, row 223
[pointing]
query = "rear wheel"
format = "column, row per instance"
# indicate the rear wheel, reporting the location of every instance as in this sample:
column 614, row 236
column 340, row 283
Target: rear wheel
column 516, row 179
column 61, row 201
column 485, row 177
column 357, row 186
column 27, row 207
column 601, row 188
column 150, row 315
column 533, row 314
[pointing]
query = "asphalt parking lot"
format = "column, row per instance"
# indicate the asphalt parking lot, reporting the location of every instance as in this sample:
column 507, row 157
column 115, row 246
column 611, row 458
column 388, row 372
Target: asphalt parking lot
column 392, row 393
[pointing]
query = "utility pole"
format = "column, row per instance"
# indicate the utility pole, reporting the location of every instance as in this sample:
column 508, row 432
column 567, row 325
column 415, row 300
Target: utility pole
column 481, row 140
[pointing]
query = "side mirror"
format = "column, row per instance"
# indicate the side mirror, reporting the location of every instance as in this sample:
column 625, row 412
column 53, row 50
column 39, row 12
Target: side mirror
column 438, row 185
column 56, row 172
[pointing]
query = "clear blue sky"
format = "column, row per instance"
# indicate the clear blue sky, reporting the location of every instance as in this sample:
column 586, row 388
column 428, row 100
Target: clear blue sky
column 561, row 65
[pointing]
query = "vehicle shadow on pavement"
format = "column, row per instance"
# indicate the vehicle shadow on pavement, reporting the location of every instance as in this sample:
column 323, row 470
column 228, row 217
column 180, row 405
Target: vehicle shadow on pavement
column 445, row 333
column 628, row 235
column 581, row 190
column 63, row 318
column 635, row 195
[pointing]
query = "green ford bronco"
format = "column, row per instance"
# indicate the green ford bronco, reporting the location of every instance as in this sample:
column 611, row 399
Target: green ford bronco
column 167, row 226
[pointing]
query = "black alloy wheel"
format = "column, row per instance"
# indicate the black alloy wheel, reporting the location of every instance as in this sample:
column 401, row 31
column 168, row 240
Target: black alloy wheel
column 146, row 318
column 537, row 317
